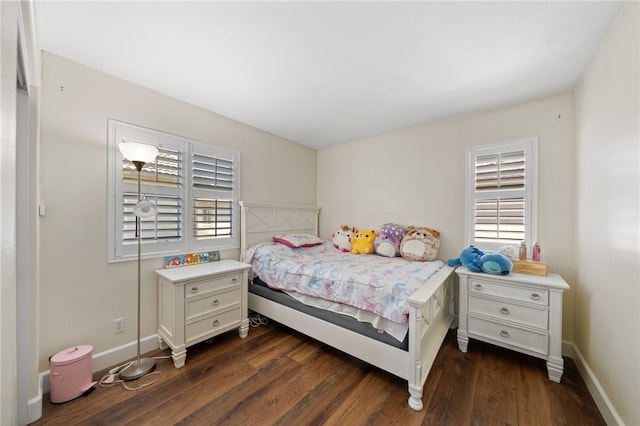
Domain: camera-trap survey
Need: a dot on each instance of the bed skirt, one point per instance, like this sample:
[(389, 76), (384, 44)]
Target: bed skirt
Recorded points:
[(261, 289)]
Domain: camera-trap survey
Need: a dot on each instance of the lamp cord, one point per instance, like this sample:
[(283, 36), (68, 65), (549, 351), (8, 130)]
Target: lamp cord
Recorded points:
[(112, 377), (256, 320)]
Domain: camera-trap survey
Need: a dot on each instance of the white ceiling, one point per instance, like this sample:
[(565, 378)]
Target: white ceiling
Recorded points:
[(325, 73)]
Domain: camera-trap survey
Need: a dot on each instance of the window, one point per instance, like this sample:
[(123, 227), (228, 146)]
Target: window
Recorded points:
[(194, 186), (501, 194)]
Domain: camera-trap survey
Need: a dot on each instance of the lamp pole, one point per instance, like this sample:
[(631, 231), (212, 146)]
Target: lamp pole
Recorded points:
[(141, 366)]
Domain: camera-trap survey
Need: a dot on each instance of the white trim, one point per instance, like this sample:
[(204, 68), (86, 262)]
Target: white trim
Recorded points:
[(34, 405), (116, 251), (110, 358), (24, 231), (600, 397), (28, 43), (9, 398)]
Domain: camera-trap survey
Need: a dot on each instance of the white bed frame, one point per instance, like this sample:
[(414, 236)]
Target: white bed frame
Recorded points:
[(431, 307)]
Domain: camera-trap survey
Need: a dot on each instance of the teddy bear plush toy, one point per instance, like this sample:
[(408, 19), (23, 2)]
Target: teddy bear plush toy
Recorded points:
[(420, 243), (477, 261), (362, 241), (341, 239), (387, 242)]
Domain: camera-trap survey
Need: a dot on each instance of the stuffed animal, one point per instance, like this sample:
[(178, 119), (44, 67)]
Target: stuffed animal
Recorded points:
[(387, 242), (342, 238), (470, 257), (496, 263), (362, 241), (420, 243), (477, 261)]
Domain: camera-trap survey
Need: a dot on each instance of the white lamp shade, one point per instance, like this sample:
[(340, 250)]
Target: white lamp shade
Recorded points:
[(144, 208), (134, 151)]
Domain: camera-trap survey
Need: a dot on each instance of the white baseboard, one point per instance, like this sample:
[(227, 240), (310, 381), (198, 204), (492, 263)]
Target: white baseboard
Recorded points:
[(109, 358), (598, 394), (101, 361), (34, 405), (567, 349)]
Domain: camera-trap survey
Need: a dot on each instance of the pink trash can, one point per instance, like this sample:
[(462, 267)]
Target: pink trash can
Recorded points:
[(70, 373)]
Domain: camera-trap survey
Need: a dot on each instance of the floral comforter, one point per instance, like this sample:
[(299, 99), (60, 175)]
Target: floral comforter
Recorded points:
[(370, 282)]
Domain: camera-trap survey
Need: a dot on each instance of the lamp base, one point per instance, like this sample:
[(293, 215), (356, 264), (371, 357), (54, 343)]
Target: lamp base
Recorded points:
[(138, 369)]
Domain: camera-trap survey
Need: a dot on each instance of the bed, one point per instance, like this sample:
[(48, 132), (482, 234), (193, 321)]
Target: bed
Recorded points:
[(430, 307)]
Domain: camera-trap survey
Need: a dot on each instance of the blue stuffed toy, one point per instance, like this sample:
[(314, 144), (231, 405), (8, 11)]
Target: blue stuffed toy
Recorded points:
[(476, 261)]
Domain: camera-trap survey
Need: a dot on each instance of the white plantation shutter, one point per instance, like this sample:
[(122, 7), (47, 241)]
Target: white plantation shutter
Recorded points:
[(193, 185), (213, 184), (501, 194), (161, 183), (165, 226), (212, 218), (212, 173)]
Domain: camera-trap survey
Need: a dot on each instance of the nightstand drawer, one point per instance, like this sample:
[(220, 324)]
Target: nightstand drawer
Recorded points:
[(210, 325), (526, 315), (509, 291), (530, 340), (213, 302), (197, 288)]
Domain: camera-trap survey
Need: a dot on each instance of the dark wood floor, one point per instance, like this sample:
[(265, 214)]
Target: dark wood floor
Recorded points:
[(279, 377)]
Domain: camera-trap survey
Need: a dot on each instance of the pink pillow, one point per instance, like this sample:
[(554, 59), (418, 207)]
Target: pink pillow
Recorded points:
[(297, 240)]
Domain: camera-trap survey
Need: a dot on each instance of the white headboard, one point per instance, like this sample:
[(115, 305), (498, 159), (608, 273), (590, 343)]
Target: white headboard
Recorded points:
[(259, 222)]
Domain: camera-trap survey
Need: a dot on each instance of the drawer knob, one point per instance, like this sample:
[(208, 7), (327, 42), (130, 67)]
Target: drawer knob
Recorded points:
[(234, 280), (535, 296), (194, 289), (216, 323), (215, 302), (478, 286), (504, 333), (504, 311)]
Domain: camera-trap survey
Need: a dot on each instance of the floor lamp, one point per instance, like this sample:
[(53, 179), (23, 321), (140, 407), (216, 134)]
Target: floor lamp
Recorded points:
[(139, 154)]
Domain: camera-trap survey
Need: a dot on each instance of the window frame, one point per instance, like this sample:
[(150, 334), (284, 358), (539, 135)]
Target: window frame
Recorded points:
[(186, 243), (527, 145)]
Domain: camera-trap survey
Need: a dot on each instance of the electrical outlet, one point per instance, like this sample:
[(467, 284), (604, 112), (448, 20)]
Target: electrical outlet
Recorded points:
[(118, 325)]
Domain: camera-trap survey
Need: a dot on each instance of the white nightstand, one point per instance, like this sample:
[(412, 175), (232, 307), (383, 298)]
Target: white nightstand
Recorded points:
[(198, 302), (517, 311)]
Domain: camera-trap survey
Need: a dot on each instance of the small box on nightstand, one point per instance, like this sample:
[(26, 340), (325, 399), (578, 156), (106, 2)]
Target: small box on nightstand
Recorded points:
[(530, 267)]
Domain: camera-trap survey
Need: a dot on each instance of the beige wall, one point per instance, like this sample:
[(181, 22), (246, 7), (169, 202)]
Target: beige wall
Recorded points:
[(416, 177), (608, 222), (80, 293)]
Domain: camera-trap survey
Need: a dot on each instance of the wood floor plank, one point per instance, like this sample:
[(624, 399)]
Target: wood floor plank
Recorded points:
[(271, 348), (306, 350), (572, 392), (329, 393), (176, 400), (394, 411), (495, 399), (253, 402), (454, 395), (280, 377), (348, 413), (533, 403)]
